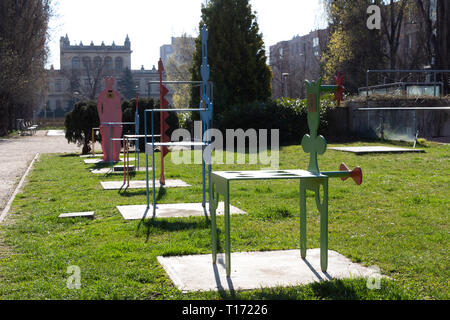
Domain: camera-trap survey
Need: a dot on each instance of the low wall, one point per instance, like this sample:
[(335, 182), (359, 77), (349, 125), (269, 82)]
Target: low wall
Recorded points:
[(50, 122), (391, 124)]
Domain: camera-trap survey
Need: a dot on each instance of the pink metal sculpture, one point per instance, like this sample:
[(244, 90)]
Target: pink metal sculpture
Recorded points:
[(110, 114)]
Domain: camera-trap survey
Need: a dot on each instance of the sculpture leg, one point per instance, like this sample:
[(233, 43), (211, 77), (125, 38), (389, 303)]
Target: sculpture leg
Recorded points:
[(117, 144), (227, 231), (303, 219), (323, 209), (106, 145), (214, 198)]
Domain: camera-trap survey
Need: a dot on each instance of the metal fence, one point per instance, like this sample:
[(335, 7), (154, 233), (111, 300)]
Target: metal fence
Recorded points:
[(418, 82), (404, 88)]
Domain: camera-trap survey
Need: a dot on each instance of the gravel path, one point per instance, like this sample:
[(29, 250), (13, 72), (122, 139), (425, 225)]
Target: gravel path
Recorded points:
[(17, 153)]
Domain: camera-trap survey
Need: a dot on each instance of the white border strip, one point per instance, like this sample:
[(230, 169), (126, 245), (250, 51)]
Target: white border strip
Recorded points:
[(19, 186)]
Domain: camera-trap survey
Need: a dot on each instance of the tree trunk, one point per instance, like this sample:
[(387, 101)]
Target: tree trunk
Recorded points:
[(443, 40), (86, 147), (4, 115)]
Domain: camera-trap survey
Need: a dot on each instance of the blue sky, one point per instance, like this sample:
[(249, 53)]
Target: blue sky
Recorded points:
[(151, 23)]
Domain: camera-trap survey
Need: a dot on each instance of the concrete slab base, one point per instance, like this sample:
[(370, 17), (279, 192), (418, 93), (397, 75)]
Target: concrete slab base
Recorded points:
[(89, 214), (254, 270), (109, 170), (141, 184), (121, 168), (176, 210), (99, 161), (374, 149), (97, 155)]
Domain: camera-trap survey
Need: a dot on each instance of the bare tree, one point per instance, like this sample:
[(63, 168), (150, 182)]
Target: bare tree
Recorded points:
[(393, 13), (429, 40), (443, 35), (23, 53), (86, 81), (177, 69)]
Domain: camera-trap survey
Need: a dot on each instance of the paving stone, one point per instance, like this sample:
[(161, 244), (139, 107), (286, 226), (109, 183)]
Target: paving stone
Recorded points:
[(56, 133)]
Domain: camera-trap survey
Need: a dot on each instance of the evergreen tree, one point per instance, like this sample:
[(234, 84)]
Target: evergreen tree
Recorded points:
[(126, 85), (236, 55), (79, 123)]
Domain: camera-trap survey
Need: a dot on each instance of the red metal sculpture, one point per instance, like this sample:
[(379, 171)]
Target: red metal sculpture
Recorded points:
[(163, 91)]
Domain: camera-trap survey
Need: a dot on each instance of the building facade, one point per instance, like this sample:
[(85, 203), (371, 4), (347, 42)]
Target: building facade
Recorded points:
[(82, 72), (296, 60)]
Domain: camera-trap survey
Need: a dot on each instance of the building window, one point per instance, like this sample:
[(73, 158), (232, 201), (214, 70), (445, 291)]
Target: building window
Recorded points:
[(119, 64), (75, 63), (316, 42), (58, 85), (280, 51), (97, 62), (108, 63), (86, 63)]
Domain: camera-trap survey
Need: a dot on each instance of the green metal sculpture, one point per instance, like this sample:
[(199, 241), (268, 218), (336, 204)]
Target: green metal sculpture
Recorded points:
[(310, 179), (316, 145)]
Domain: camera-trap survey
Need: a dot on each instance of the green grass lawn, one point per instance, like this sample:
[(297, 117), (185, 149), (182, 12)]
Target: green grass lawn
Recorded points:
[(396, 220)]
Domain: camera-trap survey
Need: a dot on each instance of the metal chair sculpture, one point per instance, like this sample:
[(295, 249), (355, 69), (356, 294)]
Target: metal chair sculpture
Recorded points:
[(310, 179), (206, 114), (126, 146)]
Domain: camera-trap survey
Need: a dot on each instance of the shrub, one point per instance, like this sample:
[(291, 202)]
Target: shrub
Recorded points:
[(79, 123), (287, 115), (128, 115), (83, 117)]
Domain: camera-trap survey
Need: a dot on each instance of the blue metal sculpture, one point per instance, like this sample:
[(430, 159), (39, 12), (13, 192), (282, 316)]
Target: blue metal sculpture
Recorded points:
[(206, 115)]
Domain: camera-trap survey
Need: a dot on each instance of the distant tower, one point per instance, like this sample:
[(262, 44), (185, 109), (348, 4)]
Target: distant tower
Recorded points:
[(127, 43), (63, 43)]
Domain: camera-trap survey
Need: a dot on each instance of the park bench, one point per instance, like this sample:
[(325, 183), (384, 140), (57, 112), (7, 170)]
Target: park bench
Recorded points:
[(26, 127)]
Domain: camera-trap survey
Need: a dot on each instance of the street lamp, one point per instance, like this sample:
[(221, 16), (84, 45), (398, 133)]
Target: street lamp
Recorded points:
[(285, 75)]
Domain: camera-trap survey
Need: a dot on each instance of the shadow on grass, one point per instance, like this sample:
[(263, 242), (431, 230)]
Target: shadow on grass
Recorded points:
[(166, 225), (329, 290), (69, 155), (141, 192), (149, 220), (334, 289)]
